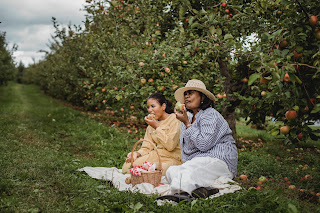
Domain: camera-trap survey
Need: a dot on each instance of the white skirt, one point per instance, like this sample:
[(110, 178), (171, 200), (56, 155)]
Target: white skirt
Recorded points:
[(197, 172)]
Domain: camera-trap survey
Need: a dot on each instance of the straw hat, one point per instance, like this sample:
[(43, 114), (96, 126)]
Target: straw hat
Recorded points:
[(193, 84)]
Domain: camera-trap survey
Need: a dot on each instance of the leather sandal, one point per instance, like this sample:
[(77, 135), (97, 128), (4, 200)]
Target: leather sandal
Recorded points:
[(177, 197), (204, 192)]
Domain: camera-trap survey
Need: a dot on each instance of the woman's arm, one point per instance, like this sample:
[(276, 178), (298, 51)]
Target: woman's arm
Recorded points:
[(206, 135)]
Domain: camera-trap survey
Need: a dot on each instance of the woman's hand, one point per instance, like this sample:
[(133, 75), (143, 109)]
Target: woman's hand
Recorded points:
[(135, 156), (151, 121), (182, 116)]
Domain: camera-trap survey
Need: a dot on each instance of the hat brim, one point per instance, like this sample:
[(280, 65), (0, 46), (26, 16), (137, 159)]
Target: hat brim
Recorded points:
[(179, 94)]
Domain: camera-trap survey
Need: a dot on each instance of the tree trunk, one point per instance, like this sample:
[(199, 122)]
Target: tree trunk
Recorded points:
[(228, 112)]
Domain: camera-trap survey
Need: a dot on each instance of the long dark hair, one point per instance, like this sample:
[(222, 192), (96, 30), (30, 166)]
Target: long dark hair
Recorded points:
[(162, 100)]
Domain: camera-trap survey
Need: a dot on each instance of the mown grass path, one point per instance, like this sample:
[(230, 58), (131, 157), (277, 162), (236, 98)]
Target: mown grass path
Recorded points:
[(43, 143)]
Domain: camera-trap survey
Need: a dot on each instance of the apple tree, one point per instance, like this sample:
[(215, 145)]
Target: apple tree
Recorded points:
[(7, 67)]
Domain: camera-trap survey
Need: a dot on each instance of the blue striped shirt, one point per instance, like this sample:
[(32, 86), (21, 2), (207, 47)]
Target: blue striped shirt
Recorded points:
[(209, 135)]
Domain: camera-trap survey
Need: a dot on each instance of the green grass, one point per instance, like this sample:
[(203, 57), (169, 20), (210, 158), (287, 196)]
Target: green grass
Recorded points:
[(43, 143)]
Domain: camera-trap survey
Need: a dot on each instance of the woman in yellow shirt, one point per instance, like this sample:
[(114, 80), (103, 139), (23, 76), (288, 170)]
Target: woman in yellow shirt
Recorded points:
[(164, 131)]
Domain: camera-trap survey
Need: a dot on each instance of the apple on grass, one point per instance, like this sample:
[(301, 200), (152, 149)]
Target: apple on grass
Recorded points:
[(243, 177), (293, 187), (128, 180), (262, 179)]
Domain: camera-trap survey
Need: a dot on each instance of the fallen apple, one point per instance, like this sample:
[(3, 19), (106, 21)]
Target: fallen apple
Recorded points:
[(128, 180), (292, 187), (243, 177), (262, 179)]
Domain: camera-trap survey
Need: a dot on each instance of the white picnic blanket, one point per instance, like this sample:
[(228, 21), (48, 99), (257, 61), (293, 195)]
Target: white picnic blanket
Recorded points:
[(224, 184)]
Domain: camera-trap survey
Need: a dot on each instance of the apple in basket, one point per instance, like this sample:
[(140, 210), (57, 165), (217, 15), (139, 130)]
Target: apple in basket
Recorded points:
[(128, 180), (179, 106)]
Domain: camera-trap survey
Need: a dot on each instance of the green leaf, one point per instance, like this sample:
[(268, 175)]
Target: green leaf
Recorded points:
[(182, 12), (253, 77), (194, 25), (219, 31), (228, 36), (298, 80), (316, 109), (284, 52)]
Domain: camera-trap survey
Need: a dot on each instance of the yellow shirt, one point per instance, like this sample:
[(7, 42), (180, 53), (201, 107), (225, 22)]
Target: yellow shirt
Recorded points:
[(166, 137)]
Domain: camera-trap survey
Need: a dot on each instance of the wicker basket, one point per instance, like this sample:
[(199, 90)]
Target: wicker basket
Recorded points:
[(153, 177)]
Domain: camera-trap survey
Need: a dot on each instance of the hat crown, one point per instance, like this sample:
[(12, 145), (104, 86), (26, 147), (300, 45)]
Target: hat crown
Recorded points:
[(196, 83)]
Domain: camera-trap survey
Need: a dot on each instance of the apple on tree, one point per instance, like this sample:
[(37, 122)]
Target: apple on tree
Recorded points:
[(285, 130), (291, 115)]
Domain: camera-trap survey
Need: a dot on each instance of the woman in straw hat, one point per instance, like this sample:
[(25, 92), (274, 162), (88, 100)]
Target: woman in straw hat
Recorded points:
[(208, 149)]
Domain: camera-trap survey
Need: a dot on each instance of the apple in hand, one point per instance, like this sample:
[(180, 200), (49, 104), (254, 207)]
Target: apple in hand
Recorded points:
[(151, 116), (179, 106)]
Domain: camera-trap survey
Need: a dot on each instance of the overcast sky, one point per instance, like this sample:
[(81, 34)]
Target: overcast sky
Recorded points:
[(28, 24)]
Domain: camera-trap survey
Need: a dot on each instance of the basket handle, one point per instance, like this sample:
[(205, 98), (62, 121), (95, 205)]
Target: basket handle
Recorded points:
[(154, 146)]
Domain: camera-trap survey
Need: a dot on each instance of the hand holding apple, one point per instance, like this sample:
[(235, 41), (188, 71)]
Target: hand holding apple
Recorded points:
[(182, 116), (150, 120)]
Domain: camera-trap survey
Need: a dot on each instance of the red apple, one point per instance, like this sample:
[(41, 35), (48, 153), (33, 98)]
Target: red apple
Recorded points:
[(150, 80), (104, 89), (283, 43), (285, 129), (224, 4), (219, 96), (297, 55), (121, 109), (312, 101), (263, 93), (313, 20), (300, 135), (286, 77), (174, 87), (285, 179), (161, 88), (167, 69), (243, 177), (263, 80), (292, 187), (143, 81), (245, 80), (131, 107), (226, 11), (291, 115), (141, 64)]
